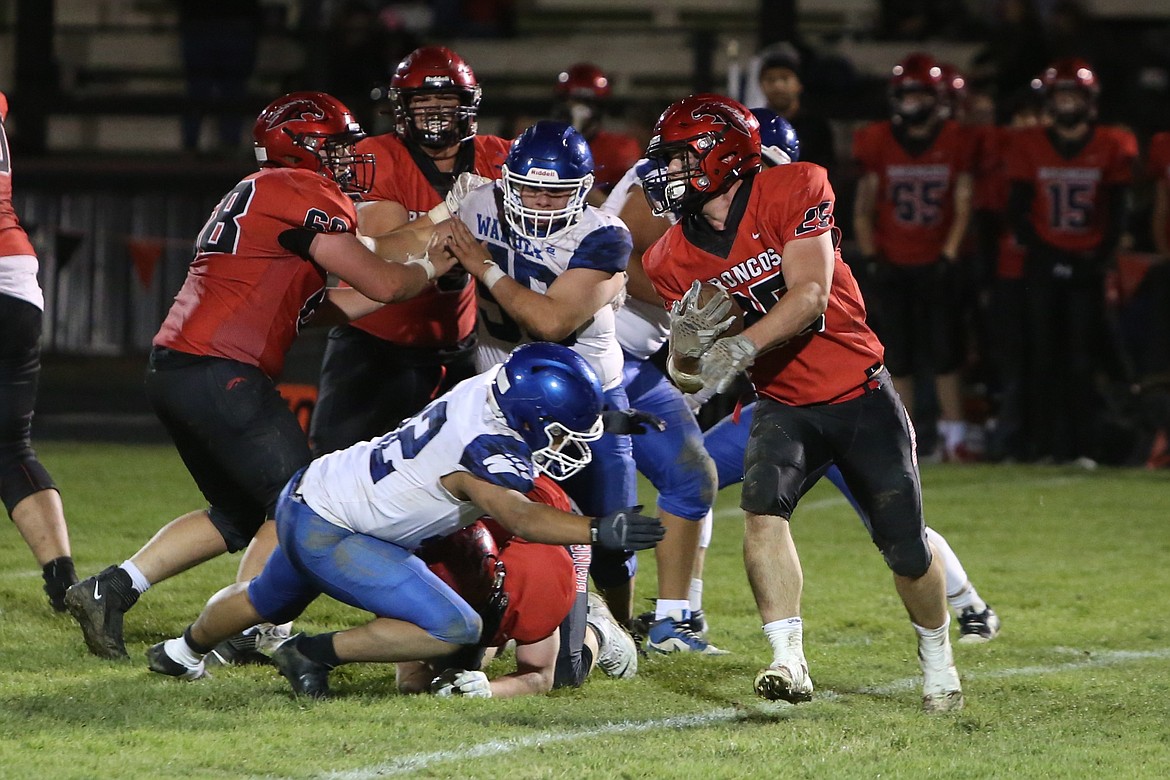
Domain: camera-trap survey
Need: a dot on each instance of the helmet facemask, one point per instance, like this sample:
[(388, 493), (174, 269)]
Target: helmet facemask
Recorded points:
[(567, 452), (436, 126), (911, 113), (1070, 113), (339, 161), (677, 182), (542, 223)]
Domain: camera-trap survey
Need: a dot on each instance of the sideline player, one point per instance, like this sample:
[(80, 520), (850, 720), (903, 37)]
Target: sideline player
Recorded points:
[(474, 450), (768, 238), (583, 93), (384, 367), (258, 276), (28, 492)]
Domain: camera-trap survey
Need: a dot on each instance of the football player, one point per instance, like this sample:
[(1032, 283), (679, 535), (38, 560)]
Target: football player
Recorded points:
[(473, 451), (768, 238), (26, 488), (386, 366), (548, 267), (1068, 207), (583, 92), (911, 213), (258, 276), (539, 583)]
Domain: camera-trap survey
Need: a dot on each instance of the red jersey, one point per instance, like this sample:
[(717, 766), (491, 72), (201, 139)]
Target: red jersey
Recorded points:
[(613, 155), (433, 318), (915, 193), (783, 203), (1068, 211), (1158, 167), (245, 295), (13, 239)]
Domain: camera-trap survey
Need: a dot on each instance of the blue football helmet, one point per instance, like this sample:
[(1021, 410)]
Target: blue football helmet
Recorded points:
[(551, 396), (778, 140), (549, 156)]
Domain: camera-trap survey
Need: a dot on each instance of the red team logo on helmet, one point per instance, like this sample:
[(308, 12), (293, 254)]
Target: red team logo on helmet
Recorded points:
[(315, 131)]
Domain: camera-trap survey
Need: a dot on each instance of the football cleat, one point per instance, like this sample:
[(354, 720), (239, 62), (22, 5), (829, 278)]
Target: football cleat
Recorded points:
[(977, 627), (671, 634), (696, 623), (98, 604), (160, 662), (617, 654), (785, 682), (941, 689), (238, 650), (306, 676)]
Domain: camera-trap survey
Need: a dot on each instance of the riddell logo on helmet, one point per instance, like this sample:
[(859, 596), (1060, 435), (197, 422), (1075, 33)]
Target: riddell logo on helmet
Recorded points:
[(300, 110), (437, 81), (543, 173)]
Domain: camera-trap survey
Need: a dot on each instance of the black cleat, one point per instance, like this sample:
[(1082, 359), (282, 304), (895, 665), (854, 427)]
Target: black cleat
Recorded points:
[(306, 676), (98, 604), (238, 650), (977, 627), (59, 575), (159, 661)]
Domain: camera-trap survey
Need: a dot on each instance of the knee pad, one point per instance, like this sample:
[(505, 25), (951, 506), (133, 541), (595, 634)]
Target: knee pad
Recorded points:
[(910, 558), (22, 476), (611, 568)]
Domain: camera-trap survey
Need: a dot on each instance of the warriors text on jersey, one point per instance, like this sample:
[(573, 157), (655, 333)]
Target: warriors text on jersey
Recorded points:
[(389, 487), (435, 317), (245, 295), (596, 240), (1068, 208), (915, 192), (772, 208)]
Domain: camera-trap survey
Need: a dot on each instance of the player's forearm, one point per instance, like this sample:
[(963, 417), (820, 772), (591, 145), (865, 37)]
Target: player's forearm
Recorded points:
[(962, 217), (546, 525), (542, 317), (527, 683), (798, 309), (863, 216)]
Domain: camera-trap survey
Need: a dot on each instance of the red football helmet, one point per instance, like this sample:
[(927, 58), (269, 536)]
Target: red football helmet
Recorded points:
[(1072, 74), (434, 70), (716, 140), (583, 81), (918, 73), (315, 131)]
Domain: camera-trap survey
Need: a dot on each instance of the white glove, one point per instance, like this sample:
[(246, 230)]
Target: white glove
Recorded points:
[(465, 183), (694, 329), (725, 360), (457, 682)]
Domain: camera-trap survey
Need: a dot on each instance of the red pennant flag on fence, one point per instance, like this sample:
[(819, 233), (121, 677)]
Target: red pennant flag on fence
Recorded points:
[(145, 252)]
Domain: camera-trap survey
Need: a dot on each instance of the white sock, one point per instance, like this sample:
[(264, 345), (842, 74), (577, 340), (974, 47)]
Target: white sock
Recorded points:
[(787, 639), (137, 578), (967, 598), (934, 644), (179, 650), (664, 607), (696, 594), (953, 433), (960, 592)]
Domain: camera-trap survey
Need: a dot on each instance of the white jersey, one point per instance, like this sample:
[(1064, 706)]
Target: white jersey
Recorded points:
[(18, 278), (597, 240), (389, 487), (642, 328)]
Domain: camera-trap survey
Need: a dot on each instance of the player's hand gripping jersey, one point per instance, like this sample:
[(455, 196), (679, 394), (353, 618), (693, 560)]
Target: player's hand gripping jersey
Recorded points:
[(596, 240), (389, 487), (837, 353), (245, 296)]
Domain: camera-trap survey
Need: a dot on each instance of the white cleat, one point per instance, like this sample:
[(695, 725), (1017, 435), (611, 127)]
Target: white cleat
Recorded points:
[(785, 682), (941, 689), (617, 655)]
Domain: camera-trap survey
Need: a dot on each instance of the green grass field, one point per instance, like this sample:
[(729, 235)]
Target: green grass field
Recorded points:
[(1077, 685)]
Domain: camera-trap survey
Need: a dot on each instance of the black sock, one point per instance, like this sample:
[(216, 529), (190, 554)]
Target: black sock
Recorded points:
[(319, 649), (191, 643), (59, 572)]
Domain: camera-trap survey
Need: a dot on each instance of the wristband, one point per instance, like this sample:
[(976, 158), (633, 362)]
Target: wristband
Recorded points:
[(493, 274), (439, 213), (424, 263)]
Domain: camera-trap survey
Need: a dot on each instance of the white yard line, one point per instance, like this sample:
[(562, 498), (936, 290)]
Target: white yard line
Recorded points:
[(417, 761)]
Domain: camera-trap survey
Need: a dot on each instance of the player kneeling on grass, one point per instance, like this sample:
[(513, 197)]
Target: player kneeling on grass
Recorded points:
[(524, 591), (348, 524)]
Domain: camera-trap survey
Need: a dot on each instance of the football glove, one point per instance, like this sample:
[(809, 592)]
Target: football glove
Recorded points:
[(693, 328), (465, 183), (631, 421), (725, 360), (457, 682), (626, 529)]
